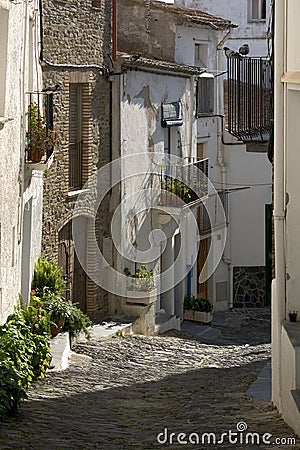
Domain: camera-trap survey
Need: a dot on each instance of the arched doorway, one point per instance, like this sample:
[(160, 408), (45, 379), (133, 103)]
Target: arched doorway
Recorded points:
[(74, 275)]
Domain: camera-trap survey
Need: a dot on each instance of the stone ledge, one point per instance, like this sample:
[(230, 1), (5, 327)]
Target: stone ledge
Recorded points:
[(293, 332), (60, 351)]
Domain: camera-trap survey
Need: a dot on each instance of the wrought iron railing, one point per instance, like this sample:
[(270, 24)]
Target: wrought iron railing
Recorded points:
[(40, 135), (249, 113), (182, 183)]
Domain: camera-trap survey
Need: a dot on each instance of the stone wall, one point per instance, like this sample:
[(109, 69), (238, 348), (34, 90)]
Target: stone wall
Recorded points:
[(76, 33), (249, 287), (145, 30)]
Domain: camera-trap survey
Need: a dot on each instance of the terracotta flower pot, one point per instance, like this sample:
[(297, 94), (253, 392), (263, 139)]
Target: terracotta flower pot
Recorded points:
[(55, 330), (35, 154)]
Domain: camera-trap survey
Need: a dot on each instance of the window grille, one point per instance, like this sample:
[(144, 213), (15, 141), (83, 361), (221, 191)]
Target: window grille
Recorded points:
[(249, 114), (171, 114)]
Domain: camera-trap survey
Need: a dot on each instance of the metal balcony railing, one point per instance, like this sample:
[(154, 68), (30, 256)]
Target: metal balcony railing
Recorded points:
[(248, 99), (40, 135), (182, 183)]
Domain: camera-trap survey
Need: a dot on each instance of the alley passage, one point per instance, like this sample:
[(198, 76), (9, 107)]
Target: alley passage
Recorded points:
[(122, 393)]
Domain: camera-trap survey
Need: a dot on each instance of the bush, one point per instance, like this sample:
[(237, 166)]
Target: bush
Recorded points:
[(24, 356), (47, 275)]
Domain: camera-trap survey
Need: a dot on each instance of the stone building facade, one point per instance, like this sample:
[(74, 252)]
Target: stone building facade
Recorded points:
[(75, 44)]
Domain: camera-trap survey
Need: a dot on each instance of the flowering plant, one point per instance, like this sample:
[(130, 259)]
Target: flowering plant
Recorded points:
[(38, 135)]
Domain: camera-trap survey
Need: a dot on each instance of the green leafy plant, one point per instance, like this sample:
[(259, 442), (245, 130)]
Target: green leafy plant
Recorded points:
[(177, 188), (48, 285), (142, 279), (47, 276), (58, 309), (35, 316), (197, 304), (24, 356), (77, 322)]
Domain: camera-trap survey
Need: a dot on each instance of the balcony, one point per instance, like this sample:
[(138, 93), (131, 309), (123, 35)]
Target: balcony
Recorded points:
[(40, 136), (248, 98), (182, 184)]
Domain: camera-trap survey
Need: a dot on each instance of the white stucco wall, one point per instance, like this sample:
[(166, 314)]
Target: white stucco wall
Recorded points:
[(254, 33), (293, 205), (20, 77), (142, 94), (187, 37), (247, 207), (285, 287)]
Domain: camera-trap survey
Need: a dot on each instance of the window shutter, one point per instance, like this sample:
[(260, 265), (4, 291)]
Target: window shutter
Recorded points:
[(75, 136), (205, 94)]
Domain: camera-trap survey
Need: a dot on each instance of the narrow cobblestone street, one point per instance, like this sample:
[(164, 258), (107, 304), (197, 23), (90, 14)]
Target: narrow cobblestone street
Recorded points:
[(123, 392)]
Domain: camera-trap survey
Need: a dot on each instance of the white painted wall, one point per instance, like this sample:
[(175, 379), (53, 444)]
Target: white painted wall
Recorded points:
[(142, 94), (254, 33), (285, 288), (247, 207), (20, 76)]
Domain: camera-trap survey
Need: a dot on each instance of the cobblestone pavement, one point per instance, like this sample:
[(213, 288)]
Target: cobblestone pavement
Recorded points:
[(121, 393)]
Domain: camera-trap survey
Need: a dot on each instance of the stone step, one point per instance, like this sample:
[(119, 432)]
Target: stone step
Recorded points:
[(165, 322)]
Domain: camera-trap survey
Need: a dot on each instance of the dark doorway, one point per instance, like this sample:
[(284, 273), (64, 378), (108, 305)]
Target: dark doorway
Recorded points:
[(74, 275)]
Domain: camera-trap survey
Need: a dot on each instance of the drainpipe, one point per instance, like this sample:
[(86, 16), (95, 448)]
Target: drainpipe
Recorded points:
[(114, 30), (188, 158), (227, 250), (278, 284), (44, 61)]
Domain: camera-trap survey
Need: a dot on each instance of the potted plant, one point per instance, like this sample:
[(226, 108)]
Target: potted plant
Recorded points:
[(198, 309), (141, 286), (39, 137), (179, 191), (293, 316), (59, 311), (48, 287)]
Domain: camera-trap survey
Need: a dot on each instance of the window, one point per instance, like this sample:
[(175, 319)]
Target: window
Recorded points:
[(205, 95), (3, 57), (75, 136), (257, 10), (171, 114), (201, 51)]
